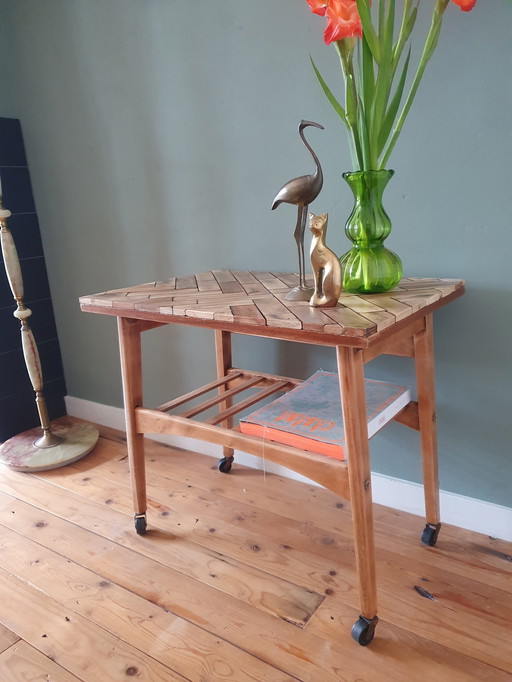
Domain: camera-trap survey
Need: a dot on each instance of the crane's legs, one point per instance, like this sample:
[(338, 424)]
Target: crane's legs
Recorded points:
[(302, 292)]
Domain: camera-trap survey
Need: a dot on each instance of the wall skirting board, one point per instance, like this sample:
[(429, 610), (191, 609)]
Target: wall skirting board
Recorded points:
[(457, 510)]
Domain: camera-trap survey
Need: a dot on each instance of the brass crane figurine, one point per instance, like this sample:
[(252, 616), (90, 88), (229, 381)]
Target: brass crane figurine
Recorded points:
[(301, 191)]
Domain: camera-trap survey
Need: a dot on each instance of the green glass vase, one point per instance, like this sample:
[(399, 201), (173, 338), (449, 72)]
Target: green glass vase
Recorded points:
[(369, 267)]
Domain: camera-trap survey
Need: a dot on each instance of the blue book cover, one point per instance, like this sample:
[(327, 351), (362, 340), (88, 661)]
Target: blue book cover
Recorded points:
[(309, 416)]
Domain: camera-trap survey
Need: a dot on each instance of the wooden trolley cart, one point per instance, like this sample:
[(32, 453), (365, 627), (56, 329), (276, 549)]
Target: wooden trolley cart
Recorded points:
[(360, 328)]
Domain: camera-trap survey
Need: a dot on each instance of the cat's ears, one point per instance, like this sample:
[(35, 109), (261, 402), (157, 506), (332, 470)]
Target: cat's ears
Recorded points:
[(322, 216)]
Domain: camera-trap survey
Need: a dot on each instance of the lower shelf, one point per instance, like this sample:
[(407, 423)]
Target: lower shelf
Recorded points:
[(219, 429)]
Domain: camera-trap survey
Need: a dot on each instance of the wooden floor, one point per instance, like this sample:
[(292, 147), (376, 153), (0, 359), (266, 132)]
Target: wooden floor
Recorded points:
[(240, 577)]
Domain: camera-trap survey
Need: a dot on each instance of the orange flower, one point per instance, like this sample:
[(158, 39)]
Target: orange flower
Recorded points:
[(342, 21), (377, 100), (318, 6), (465, 5)]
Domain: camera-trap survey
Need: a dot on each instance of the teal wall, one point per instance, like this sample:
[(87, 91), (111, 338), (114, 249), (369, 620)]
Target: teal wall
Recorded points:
[(157, 134)]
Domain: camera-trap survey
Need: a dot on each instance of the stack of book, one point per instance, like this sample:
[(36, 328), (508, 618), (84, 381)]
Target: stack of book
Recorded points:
[(309, 417)]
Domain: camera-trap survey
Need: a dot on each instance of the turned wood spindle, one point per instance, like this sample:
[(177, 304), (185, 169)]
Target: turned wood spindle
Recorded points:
[(22, 313), (67, 439)]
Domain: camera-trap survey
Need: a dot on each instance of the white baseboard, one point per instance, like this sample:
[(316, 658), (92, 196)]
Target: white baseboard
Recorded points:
[(457, 510)]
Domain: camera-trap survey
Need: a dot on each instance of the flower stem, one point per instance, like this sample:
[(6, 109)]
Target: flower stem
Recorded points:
[(345, 50), (406, 26)]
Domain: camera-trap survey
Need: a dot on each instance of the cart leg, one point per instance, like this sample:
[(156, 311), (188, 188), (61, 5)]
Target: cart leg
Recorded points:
[(350, 369), (424, 359), (224, 362), (131, 370)]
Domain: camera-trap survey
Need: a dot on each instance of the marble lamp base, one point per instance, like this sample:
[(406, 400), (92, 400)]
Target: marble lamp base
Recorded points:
[(21, 453)]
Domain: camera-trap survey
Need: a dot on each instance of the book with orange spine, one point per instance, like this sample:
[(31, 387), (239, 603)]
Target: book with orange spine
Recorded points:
[(309, 416)]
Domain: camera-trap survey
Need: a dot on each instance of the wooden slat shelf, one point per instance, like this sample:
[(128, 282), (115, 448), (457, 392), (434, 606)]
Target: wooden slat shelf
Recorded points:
[(317, 467), (330, 473), (248, 402), (240, 381), (239, 388), (166, 407)]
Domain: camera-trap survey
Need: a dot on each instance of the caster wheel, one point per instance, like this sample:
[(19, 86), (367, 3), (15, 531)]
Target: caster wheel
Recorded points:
[(363, 630), (140, 524), (224, 465), (430, 534)]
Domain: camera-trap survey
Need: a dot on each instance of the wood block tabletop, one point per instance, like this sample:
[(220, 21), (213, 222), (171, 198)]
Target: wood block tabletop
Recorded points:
[(241, 299)]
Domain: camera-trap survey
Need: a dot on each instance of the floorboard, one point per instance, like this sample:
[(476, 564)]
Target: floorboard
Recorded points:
[(23, 662), (7, 638), (241, 577)]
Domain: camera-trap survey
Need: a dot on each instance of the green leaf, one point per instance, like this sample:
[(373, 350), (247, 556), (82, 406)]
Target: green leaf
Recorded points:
[(428, 49), (433, 42), (408, 22), (362, 130), (332, 99), (382, 16), (345, 50), (392, 111), (351, 101), (411, 21), (384, 80), (363, 8), (367, 78)]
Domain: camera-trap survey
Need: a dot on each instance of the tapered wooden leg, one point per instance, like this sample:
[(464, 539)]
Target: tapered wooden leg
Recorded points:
[(223, 359), (424, 358), (350, 369), (131, 370)]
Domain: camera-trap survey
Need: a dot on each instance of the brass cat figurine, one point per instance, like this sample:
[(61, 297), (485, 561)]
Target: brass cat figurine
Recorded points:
[(325, 264)]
